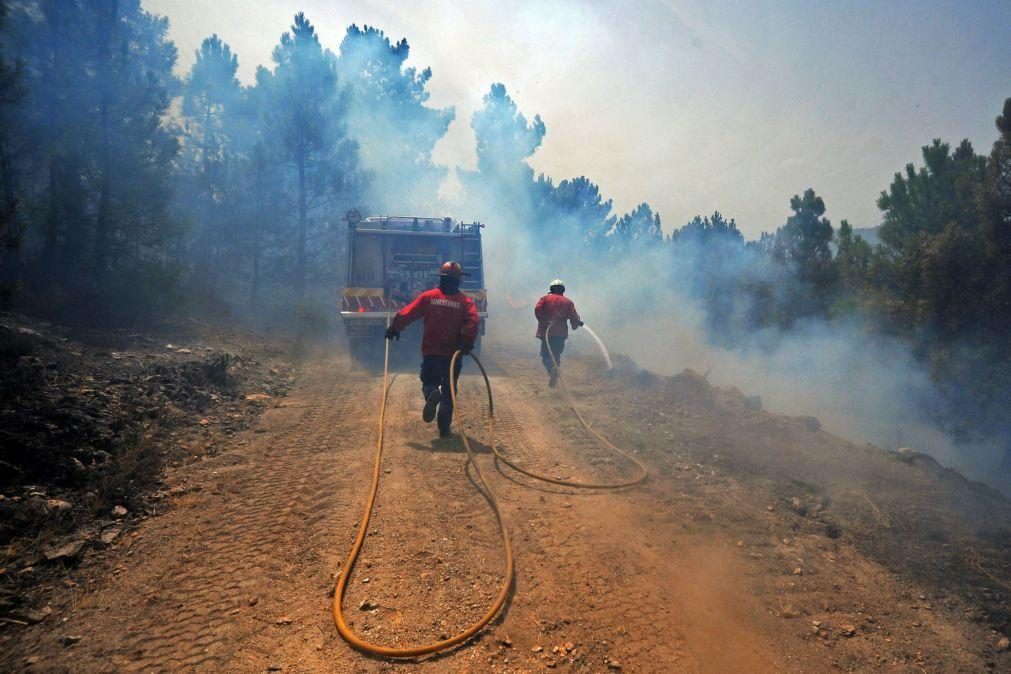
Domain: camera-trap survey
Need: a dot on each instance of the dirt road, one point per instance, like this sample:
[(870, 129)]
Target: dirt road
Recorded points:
[(700, 569)]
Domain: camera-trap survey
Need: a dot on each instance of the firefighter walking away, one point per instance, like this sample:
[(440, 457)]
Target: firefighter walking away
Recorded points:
[(451, 322), (557, 311)]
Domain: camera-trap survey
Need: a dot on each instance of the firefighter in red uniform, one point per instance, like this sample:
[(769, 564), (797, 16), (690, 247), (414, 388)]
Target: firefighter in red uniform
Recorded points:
[(554, 309), (451, 323)]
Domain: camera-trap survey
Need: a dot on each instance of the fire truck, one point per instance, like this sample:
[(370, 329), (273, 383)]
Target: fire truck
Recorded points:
[(393, 259)]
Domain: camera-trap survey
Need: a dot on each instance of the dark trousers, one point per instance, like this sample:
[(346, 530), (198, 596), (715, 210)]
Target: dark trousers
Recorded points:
[(557, 346), (435, 375)]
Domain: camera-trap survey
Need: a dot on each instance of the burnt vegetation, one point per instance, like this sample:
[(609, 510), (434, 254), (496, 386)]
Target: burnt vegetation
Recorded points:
[(87, 421)]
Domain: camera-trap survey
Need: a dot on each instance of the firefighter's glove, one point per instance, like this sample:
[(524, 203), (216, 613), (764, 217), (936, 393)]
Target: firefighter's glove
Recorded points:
[(577, 325), (464, 347), (391, 333)]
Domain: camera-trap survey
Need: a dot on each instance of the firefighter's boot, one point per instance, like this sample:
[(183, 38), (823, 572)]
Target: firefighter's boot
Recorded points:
[(431, 404), (445, 418), (553, 379)]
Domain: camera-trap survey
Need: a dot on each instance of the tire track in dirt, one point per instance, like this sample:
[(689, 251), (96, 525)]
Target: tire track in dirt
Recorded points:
[(176, 603), (597, 573), (431, 563), (593, 566), (584, 586), (267, 507)]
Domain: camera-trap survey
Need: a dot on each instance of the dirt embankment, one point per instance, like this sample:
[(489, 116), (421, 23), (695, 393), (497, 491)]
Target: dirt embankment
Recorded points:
[(759, 542), (89, 419), (943, 541)]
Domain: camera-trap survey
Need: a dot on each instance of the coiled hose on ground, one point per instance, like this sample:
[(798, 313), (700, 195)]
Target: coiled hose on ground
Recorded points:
[(342, 580), (426, 649)]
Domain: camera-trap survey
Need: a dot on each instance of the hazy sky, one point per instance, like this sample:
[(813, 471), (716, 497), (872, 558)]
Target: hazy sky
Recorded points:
[(691, 106)]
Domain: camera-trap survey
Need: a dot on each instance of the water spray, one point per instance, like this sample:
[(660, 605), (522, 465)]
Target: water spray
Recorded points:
[(600, 343)]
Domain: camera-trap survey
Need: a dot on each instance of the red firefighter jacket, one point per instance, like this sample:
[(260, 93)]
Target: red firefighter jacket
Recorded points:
[(555, 310), (449, 320)]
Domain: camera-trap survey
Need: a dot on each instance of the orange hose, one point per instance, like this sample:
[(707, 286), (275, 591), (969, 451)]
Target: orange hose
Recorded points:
[(643, 472), (342, 581)]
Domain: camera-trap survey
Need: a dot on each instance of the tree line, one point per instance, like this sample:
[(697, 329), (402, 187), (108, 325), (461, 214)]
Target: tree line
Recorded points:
[(126, 189), (939, 276)]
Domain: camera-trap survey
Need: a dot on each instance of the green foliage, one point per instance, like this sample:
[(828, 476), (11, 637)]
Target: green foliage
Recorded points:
[(930, 271), (96, 150), (708, 229), (925, 212), (923, 202), (572, 211), (802, 244), (503, 185), (210, 105), (388, 117), (852, 263), (304, 120), (638, 229), (266, 171), (504, 138), (995, 207), (801, 247), (942, 275), (729, 279), (211, 89)]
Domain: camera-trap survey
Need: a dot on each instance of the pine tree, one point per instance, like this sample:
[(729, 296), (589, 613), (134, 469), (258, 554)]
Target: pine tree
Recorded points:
[(387, 116), (910, 269), (305, 115), (852, 260), (99, 77), (503, 187), (995, 207), (639, 229), (573, 213), (802, 247), (211, 97), (705, 231), (12, 94), (714, 265), (504, 137)]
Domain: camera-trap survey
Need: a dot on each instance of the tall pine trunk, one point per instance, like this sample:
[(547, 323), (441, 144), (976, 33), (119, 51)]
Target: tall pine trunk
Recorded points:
[(103, 223), (52, 221), (10, 247), (300, 268), (204, 245), (254, 293)]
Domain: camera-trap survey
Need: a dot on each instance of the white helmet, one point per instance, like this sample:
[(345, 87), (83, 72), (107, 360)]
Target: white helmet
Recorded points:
[(557, 283)]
